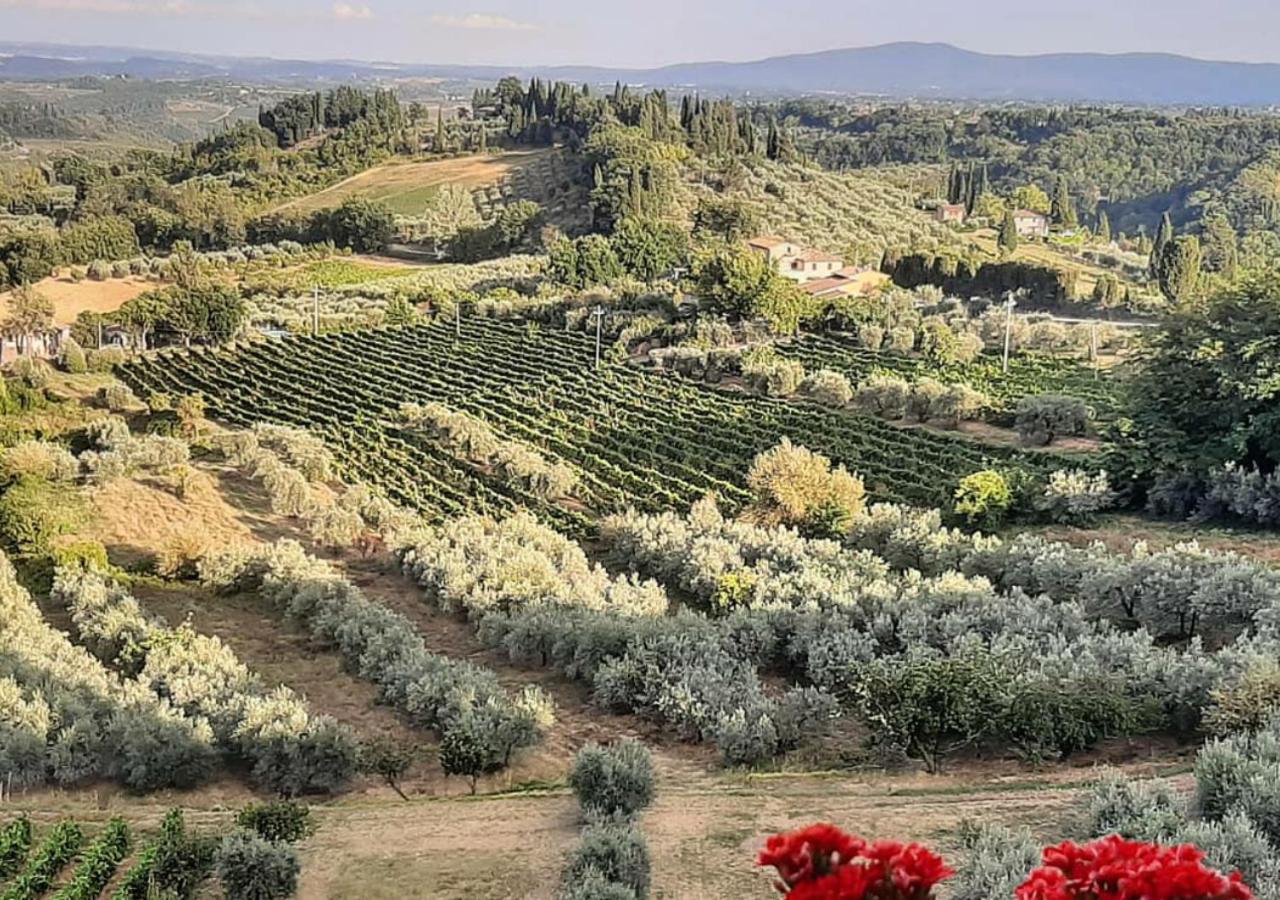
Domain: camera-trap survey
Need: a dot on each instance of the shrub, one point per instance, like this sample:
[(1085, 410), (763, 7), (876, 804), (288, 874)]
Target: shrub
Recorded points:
[(996, 861), (15, 843), (902, 339), (104, 359), (885, 396), (116, 397), (72, 357), (612, 780), (615, 851), (178, 862), (1139, 810), (983, 498), (766, 373), (99, 863), (1042, 418), (795, 486), (99, 270), (828, 388), (33, 512), (926, 394), (871, 337), (464, 752), (1075, 497), (590, 883), (32, 372), (959, 403), (39, 460), (1248, 704), (253, 868), (281, 821)]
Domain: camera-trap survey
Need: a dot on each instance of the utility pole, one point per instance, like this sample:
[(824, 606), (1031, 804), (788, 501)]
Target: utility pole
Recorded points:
[(315, 310), (457, 319), (599, 316), (1093, 350), (1009, 304)]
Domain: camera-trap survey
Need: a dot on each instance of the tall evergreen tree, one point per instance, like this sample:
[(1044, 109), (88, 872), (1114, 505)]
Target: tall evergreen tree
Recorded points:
[(1221, 248), (1104, 228), (1164, 234), (440, 136), (1009, 232), (1064, 210), (1180, 269)]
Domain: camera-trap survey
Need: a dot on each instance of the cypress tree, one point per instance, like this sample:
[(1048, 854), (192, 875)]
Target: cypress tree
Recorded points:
[(1164, 234), (1009, 233), (1180, 269), (1104, 228), (1064, 211), (440, 138)]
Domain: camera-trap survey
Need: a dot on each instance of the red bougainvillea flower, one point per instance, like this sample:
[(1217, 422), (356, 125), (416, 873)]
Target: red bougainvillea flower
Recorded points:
[(1116, 869), (822, 862)]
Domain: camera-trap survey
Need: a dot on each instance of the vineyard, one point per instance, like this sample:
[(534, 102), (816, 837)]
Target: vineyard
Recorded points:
[(1029, 374), (639, 439)]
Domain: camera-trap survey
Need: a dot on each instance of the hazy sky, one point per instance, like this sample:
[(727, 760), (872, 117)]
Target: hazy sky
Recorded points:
[(643, 32)]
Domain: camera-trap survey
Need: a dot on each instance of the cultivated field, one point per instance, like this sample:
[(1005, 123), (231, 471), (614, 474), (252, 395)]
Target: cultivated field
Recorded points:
[(407, 187)]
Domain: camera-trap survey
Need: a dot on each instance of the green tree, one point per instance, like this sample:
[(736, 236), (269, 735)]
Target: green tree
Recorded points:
[(1064, 209), (30, 313), (1030, 197), (1205, 391), (1164, 234), (1009, 233), (366, 226), (1103, 231), (1221, 246), (1179, 272), (728, 218), (732, 279), (649, 249)]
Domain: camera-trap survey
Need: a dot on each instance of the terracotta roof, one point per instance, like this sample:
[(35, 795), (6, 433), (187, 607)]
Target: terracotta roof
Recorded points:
[(822, 285), (766, 241), (1028, 214), (811, 255)]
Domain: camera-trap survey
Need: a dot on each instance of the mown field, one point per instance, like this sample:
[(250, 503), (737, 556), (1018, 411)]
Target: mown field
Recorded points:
[(408, 187)]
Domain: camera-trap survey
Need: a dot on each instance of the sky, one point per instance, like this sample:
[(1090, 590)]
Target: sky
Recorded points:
[(642, 33)]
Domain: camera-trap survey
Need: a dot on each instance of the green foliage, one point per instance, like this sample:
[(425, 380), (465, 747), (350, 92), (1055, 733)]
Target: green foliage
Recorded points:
[(366, 226), (983, 498), (1248, 704), (733, 280), (649, 249), (464, 752), (178, 861), (280, 821), (1008, 241), (250, 867), (1042, 418), (928, 706), (73, 358), (60, 845), (995, 861), (1178, 270), (99, 863), (15, 844), (613, 780), (617, 852), (33, 512)]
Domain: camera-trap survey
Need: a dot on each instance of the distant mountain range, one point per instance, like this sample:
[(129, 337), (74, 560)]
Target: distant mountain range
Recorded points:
[(902, 70)]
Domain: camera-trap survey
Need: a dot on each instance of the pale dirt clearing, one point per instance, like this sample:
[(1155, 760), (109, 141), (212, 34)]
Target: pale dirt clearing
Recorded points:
[(71, 298)]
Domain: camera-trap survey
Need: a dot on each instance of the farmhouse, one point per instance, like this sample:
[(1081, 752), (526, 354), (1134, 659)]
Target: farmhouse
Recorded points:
[(847, 282), (1031, 224), (794, 261), (949, 213)]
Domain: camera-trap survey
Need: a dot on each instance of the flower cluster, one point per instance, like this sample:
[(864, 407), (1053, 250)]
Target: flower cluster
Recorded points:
[(822, 862), (1116, 869)]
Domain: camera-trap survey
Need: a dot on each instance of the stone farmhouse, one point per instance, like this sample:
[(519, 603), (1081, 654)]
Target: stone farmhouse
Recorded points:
[(819, 273)]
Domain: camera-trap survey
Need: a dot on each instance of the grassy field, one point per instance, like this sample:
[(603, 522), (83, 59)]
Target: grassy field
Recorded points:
[(70, 298), (407, 187), (1054, 256)]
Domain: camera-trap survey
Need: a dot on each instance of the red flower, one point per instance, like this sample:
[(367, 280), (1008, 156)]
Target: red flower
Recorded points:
[(1116, 869), (822, 862)]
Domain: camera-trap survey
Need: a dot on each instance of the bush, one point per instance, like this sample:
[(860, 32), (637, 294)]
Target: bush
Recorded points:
[(1248, 704), (1139, 810), (1042, 418), (72, 357), (902, 339), (116, 397), (281, 821), (885, 396), (613, 780), (253, 868), (926, 395), (33, 373), (104, 359), (99, 270), (795, 486), (1075, 497), (39, 460), (766, 373), (33, 512), (959, 403), (996, 861), (828, 388), (592, 884), (617, 852), (983, 498), (871, 337)]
